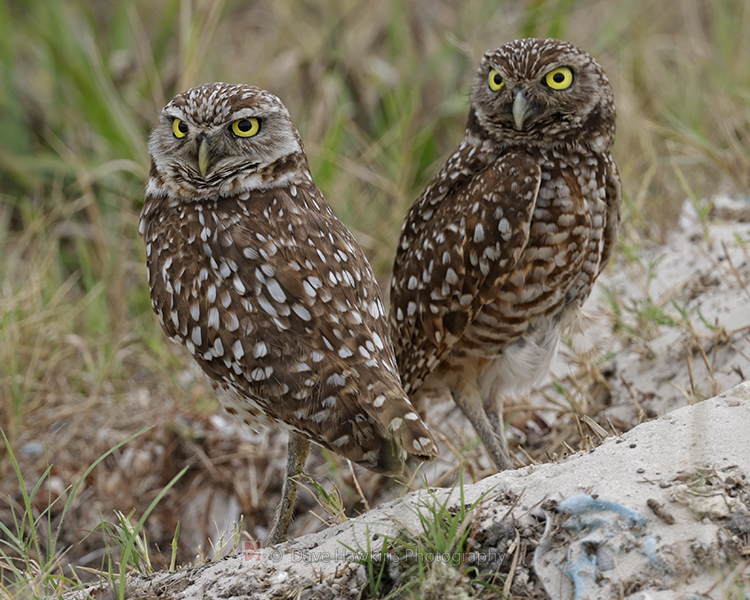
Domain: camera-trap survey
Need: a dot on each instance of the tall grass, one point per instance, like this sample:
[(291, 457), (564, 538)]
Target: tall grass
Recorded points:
[(379, 92)]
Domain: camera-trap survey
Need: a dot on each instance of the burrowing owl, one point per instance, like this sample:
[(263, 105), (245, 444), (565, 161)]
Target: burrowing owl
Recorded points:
[(505, 243), (250, 269)]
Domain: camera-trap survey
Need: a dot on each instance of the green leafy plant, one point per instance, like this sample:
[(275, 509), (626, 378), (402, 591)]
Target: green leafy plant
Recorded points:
[(331, 502), (133, 545), (375, 564), (442, 540)]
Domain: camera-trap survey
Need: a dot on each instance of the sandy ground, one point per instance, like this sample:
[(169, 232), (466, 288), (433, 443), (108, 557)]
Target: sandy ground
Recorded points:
[(685, 310), (660, 512)]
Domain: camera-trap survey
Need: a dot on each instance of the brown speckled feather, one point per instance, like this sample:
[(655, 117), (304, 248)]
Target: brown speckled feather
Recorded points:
[(429, 319), (250, 269), (507, 240)]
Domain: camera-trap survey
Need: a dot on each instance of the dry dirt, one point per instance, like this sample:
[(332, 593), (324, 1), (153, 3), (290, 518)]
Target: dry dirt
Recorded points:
[(661, 512)]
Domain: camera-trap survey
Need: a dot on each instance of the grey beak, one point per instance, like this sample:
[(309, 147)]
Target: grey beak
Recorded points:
[(521, 109), (204, 157)]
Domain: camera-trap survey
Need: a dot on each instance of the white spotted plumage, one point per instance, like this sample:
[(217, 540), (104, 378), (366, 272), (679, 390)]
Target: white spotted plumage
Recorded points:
[(505, 243), (250, 269)]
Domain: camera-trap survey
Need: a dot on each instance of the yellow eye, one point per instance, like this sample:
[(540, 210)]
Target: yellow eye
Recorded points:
[(495, 80), (559, 79), (179, 128), (246, 127)]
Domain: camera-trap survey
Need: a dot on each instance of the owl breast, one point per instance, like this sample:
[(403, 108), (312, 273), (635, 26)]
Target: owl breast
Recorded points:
[(554, 274)]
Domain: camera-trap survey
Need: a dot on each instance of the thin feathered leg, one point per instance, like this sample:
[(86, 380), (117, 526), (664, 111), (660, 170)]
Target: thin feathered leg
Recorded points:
[(298, 449), (491, 433), (495, 419)]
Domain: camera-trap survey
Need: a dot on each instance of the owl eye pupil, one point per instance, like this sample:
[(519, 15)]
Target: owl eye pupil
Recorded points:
[(558, 77), (182, 126), (498, 79), (244, 125)]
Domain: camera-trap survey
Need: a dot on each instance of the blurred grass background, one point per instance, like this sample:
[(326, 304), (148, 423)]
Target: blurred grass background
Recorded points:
[(379, 92)]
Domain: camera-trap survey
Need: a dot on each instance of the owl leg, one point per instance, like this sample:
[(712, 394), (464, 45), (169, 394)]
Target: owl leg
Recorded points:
[(298, 449), (497, 423), (489, 427)]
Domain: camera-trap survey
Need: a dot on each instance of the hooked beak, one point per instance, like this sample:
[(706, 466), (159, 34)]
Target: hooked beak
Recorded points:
[(521, 109), (204, 157)]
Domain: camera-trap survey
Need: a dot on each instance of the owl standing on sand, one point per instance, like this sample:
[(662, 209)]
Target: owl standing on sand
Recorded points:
[(250, 269), (504, 245)]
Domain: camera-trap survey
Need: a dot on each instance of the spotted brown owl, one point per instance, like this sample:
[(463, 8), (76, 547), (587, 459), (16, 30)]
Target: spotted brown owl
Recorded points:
[(504, 245), (250, 269)]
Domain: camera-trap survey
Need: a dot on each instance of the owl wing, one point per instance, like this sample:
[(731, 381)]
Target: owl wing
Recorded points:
[(286, 316), (458, 260), (614, 202)]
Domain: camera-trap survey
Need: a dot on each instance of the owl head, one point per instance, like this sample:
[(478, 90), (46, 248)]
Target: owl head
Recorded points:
[(547, 92), (220, 139)]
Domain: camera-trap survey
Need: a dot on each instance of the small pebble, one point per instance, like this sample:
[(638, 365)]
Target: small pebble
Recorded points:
[(32, 449)]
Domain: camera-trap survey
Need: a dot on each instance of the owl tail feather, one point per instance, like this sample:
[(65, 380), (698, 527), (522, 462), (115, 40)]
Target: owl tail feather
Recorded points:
[(414, 441), (407, 434), (414, 437), (403, 437), (391, 458)]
